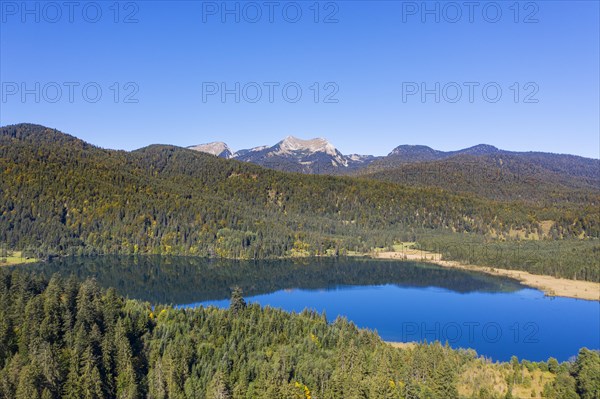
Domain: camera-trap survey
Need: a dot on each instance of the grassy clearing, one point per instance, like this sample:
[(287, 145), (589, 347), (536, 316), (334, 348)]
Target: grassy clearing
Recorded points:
[(490, 380), (15, 258)]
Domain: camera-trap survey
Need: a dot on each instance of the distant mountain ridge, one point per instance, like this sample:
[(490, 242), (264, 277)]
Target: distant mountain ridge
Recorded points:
[(319, 156), (412, 153), (292, 154)]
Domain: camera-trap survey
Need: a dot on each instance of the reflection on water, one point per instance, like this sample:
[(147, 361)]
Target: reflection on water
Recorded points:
[(179, 280), (403, 301)]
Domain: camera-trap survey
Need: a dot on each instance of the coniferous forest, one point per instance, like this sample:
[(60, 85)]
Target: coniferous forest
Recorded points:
[(67, 339), (64, 338)]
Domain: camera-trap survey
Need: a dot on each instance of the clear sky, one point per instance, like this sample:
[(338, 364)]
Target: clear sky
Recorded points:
[(378, 65)]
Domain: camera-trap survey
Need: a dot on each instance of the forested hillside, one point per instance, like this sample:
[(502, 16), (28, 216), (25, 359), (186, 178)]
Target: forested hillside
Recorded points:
[(530, 177), (60, 195), (64, 339), (564, 164)]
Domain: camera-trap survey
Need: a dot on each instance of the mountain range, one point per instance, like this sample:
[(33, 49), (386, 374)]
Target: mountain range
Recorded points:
[(483, 170), (319, 156), (314, 156)]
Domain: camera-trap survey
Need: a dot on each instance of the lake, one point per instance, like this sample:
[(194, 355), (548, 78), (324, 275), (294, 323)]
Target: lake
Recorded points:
[(403, 301)]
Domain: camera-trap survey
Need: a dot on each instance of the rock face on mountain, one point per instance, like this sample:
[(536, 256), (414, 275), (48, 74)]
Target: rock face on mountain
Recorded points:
[(217, 148), (315, 156), (295, 155)]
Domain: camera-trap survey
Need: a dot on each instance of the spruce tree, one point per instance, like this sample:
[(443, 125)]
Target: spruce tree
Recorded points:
[(237, 303)]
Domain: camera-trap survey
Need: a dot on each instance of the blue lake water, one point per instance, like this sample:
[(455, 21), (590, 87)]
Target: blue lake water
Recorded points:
[(403, 301), (524, 323)]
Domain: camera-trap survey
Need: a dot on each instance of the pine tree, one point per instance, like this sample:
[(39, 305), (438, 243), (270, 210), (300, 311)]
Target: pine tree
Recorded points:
[(237, 303), (587, 374), (28, 384), (90, 381), (157, 382), (444, 386), (217, 388), (126, 379)]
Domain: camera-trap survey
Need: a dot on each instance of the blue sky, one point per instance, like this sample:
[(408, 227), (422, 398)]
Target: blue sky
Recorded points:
[(161, 68)]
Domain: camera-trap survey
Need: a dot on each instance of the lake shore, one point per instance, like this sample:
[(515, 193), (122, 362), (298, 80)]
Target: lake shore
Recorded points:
[(551, 286)]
